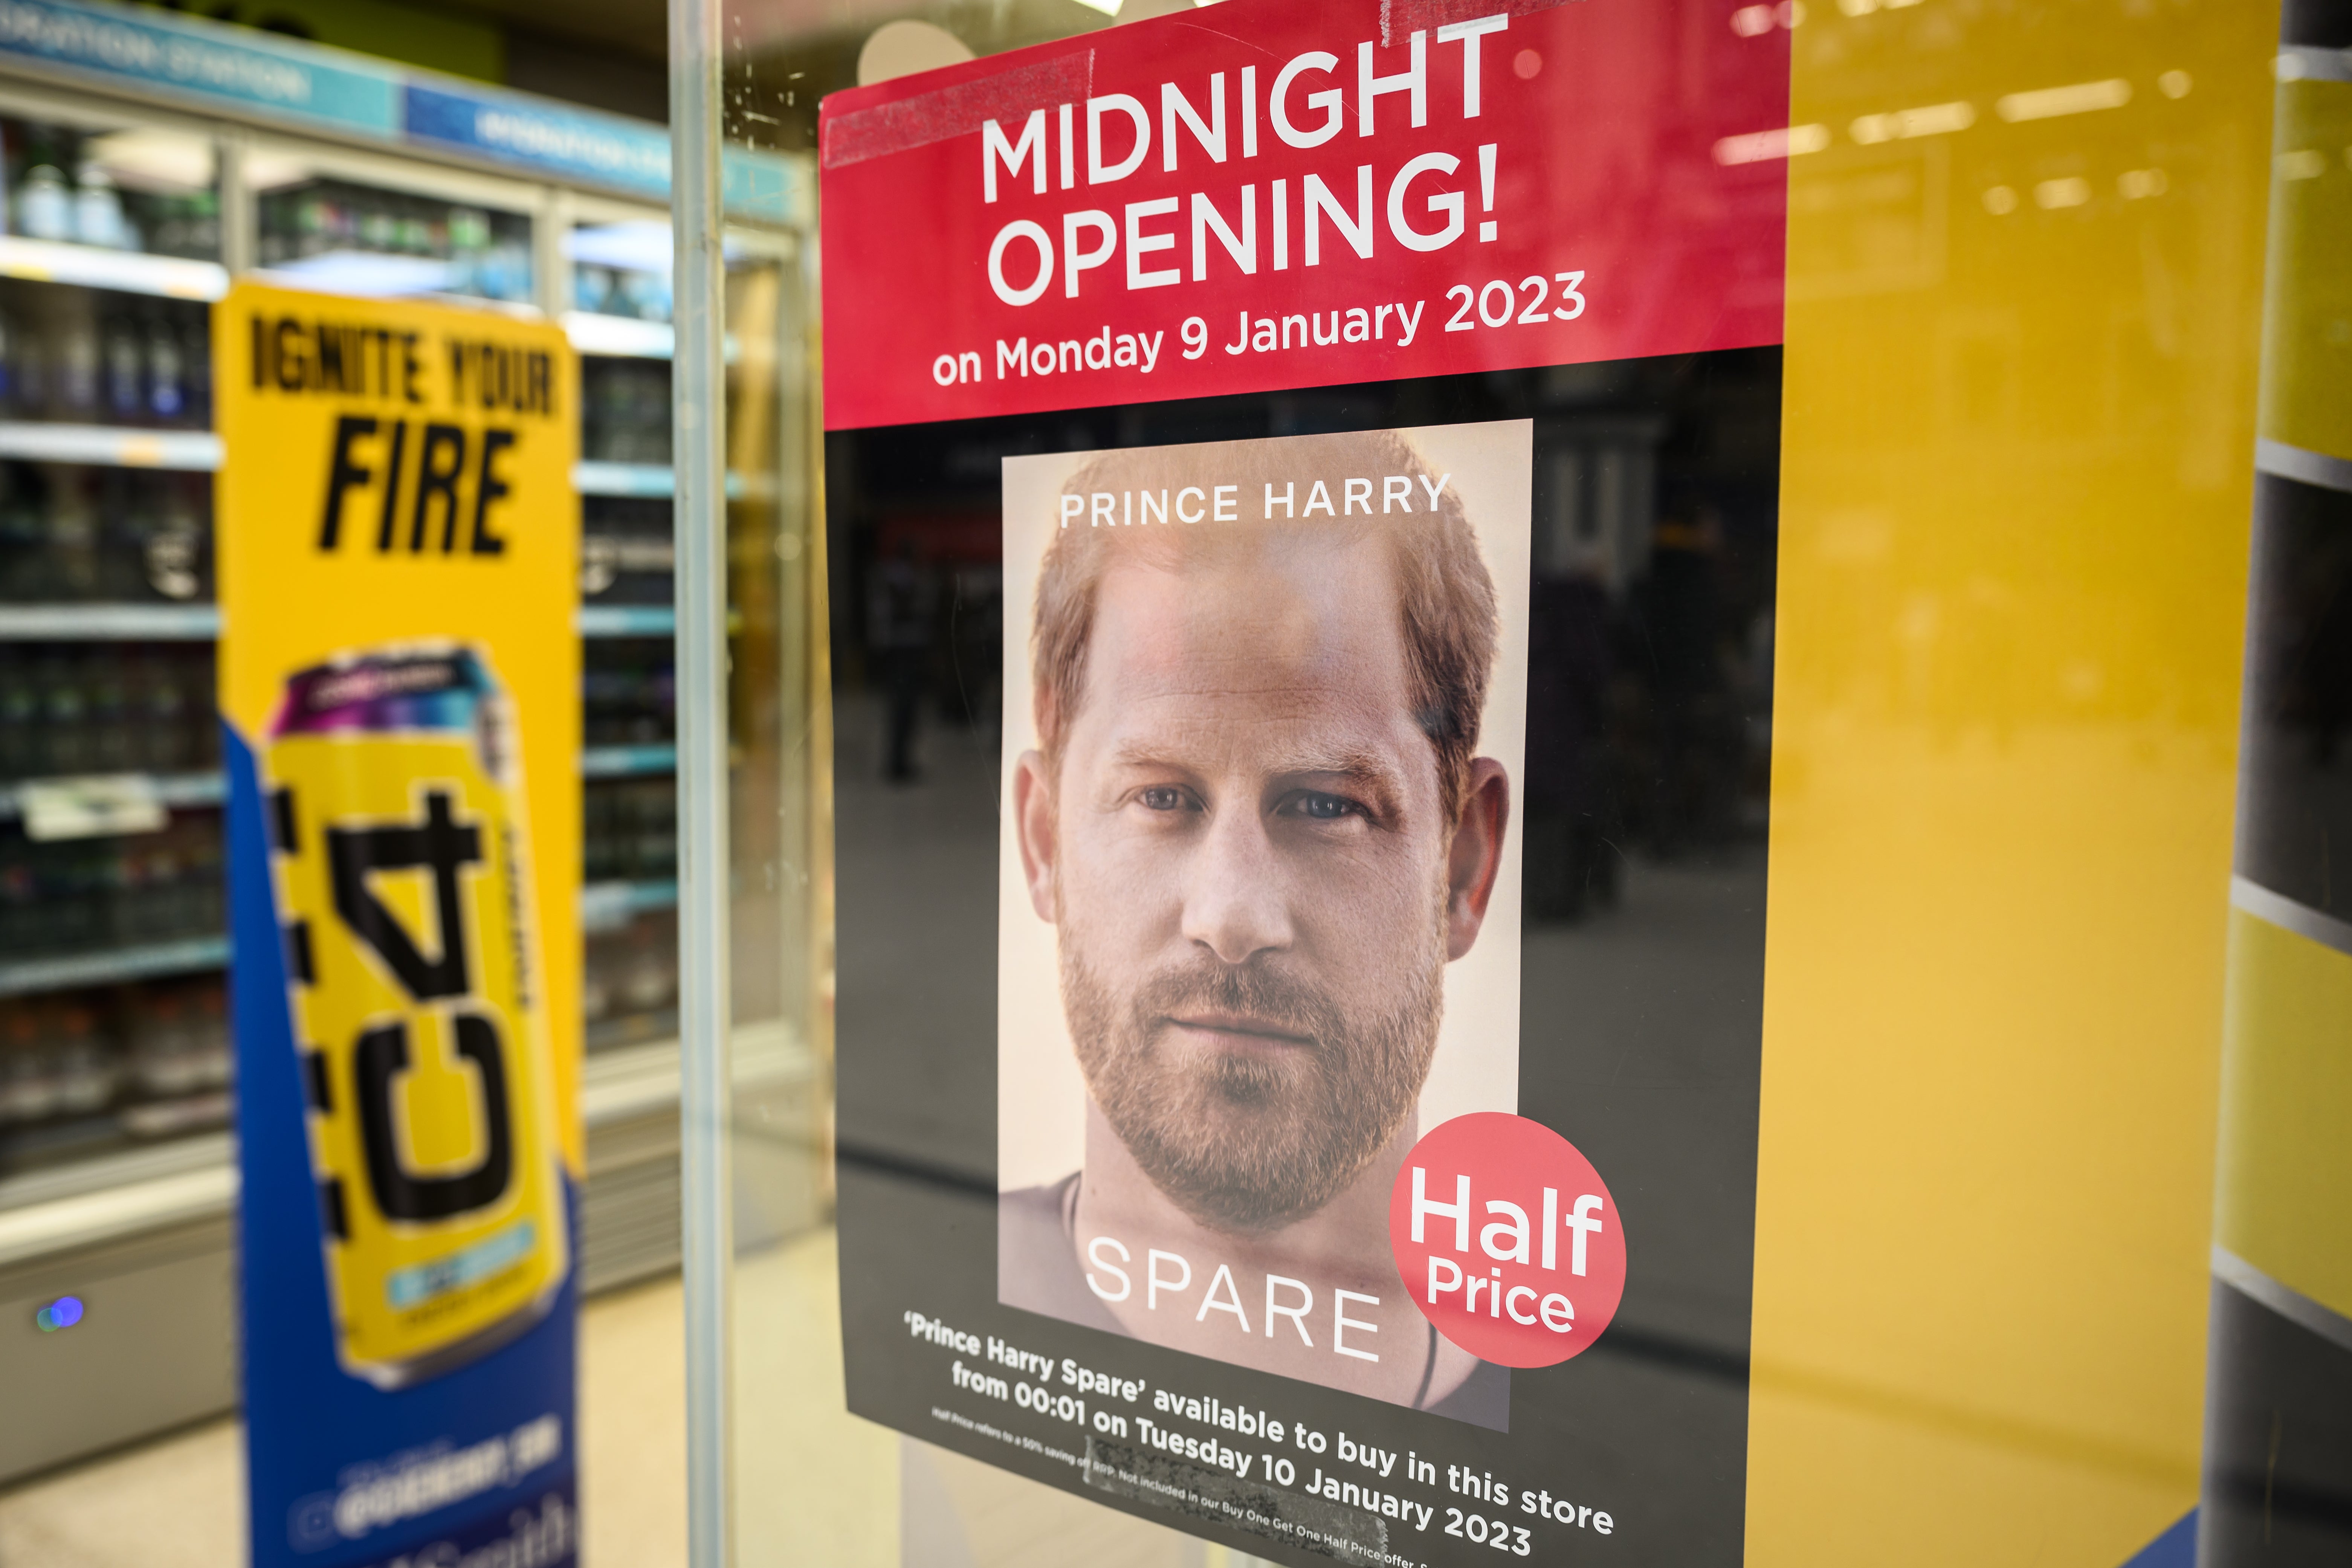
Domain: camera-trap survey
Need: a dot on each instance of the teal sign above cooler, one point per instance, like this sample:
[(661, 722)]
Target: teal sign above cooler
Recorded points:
[(258, 75), (222, 66)]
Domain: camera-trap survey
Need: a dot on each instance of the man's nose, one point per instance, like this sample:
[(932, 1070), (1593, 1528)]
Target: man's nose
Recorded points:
[(1235, 904)]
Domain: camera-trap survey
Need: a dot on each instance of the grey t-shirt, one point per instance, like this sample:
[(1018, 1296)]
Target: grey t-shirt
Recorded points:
[(1037, 1270)]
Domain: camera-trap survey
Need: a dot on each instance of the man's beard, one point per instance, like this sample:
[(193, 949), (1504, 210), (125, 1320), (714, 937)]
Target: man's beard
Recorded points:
[(1249, 1143)]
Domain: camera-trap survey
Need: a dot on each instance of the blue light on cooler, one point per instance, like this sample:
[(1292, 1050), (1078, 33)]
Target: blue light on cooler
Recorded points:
[(62, 1313)]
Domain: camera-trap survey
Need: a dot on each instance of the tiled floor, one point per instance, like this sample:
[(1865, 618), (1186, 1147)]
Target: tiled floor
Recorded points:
[(179, 1502)]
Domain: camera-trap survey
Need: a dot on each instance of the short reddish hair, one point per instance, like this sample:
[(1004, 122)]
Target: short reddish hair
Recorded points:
[(1445, 596)]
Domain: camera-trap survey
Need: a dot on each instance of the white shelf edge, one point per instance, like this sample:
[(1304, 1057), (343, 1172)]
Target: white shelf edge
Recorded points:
[(607, 906), (89, 1218), (126, 271), (645, 480), (627, 621), (620, 337), (626, 762), (110, 623), (147, 961), (654, 481), (111, 446), (171, 789)]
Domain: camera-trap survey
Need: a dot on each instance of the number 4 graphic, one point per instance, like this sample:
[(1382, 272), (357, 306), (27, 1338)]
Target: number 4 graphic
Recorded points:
[(442, 845)]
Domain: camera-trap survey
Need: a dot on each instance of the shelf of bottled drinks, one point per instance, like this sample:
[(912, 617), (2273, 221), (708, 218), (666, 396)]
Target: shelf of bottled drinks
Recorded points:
[(116, 234)]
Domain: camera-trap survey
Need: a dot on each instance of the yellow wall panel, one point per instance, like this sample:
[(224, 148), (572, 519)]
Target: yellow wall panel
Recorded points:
[(2021, 378)]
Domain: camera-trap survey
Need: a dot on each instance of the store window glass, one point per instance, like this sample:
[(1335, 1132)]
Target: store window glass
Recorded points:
[(1877, 591)]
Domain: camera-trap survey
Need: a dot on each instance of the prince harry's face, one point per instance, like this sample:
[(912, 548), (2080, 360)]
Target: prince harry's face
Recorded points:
[(1245, 847)]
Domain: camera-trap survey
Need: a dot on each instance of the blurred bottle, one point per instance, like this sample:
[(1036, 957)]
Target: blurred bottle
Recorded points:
[(591, 289), (20, 716), (45, 204), (28, 1087), (200, 748), (167, 387), (24, 538), (77, 362), (649, 983), (214, 1047), (73, 543), (506, 272), (646, 295), (110, 746), (126, 399), (468, 231), (596, 995), (20, 896), (173, 552), (310, 226), (162, 1062), (596, 827), (204, 236), (17, 1034), (64, 717), (162, 718), (656, 831), (650, 414), (202, 908), (98, 211), (85, 1065), (146, 880), (197, 368), (28, 383)]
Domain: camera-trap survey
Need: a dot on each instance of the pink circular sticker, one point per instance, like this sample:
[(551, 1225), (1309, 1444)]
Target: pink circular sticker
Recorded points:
[(1508, 1239)]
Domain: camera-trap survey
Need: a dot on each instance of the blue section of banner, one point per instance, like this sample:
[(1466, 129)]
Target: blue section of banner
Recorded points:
[(233, 68), (342, 1474), (2176, 1548), (581, 145), (523, 132)]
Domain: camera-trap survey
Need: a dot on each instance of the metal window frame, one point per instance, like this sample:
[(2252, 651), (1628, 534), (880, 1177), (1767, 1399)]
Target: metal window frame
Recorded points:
[(699, 521)]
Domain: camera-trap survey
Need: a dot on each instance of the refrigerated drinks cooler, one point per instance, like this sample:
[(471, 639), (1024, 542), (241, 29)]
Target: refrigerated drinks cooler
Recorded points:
[(129, 203)]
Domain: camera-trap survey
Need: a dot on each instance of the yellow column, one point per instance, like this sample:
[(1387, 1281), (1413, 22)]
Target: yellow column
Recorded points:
[(2278, 1484)]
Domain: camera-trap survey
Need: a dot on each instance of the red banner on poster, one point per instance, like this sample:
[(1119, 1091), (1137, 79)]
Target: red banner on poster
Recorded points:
[(1251, 197)]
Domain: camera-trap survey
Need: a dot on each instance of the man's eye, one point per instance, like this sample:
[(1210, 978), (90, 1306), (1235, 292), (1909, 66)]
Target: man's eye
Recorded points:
[(1326, 808), (1162, 799)]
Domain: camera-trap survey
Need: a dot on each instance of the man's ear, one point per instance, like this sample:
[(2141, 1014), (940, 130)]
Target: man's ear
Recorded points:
[(1033, 820), (1476, 855)]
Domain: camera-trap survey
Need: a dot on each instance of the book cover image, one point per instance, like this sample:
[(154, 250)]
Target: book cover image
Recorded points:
[(1259, 906)]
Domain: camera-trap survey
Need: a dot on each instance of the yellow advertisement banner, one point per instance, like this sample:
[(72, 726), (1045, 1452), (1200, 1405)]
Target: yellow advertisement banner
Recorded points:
[(398, 568)]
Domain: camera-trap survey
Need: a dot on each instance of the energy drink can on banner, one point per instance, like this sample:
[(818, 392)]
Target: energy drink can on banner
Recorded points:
[(401, 875)]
